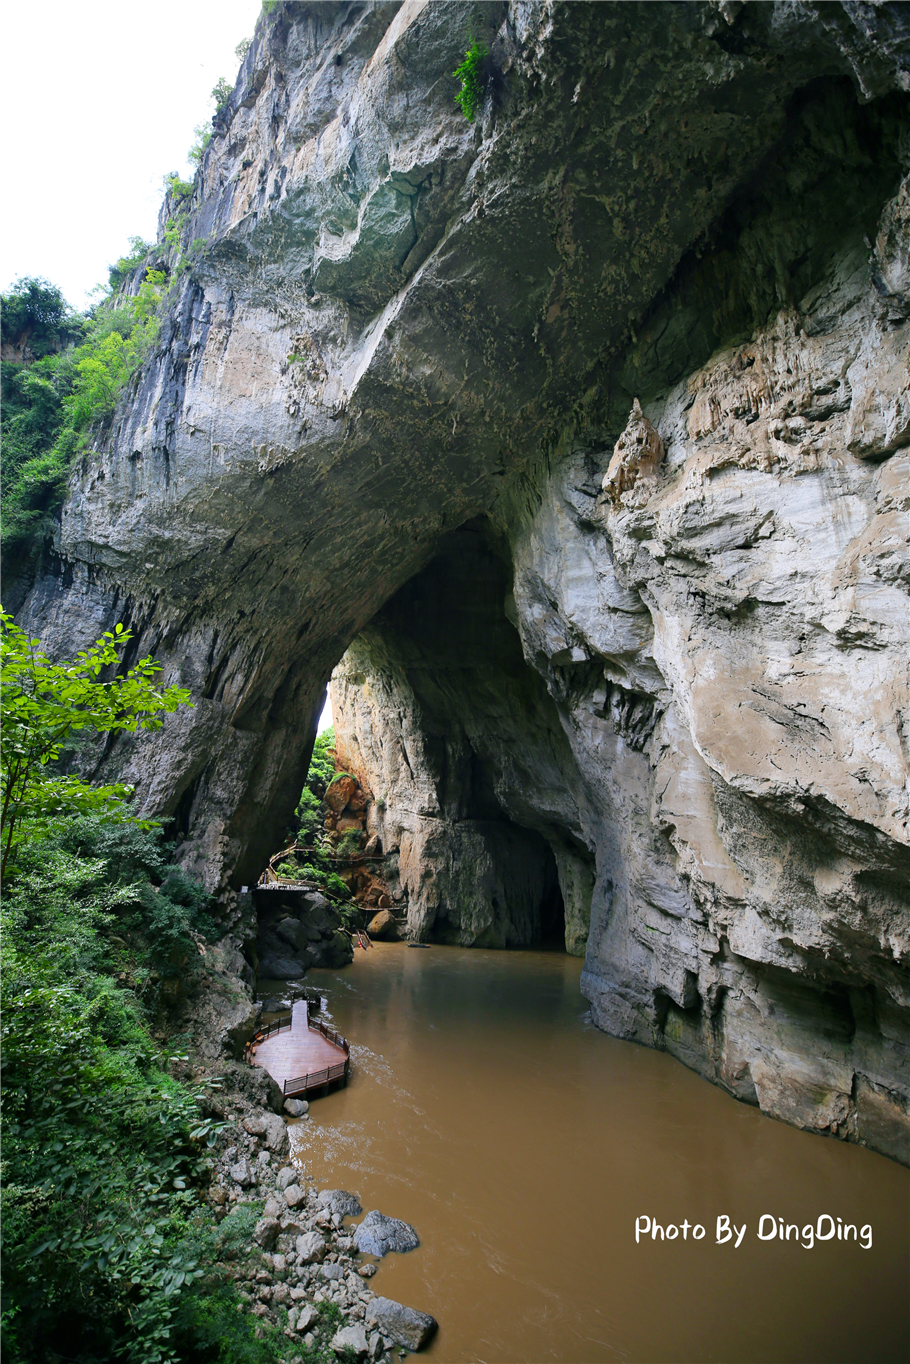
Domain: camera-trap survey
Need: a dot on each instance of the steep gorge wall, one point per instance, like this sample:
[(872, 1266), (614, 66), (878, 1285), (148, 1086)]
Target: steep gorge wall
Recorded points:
[(725, 647), (403, 329)]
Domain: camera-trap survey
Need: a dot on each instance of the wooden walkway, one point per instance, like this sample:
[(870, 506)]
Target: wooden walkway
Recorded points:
[(300, 1055)]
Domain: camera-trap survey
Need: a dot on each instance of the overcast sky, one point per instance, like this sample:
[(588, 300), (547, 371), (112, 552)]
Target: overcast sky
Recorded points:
[(99, 100)]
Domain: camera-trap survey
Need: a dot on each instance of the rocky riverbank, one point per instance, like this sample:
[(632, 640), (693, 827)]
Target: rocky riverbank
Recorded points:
[(301, 1270)]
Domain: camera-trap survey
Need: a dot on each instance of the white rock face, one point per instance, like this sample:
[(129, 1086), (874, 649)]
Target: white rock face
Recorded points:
[(726, 645)]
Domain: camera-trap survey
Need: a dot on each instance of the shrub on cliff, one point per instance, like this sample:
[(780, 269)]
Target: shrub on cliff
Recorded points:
[(104, 1153), (50, 406), (470, 73)]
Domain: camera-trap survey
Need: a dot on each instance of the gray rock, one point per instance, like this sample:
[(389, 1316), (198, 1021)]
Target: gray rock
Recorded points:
[(404, 1325), (274, 1207), (351, 1338), (307, 1315), (338, 1201), (334, 1271), (294, 1195), (277, 966), (296, 1107), (274, 1005), (378, 1234), (311, 1248), (286, 1175), (272, 1128), (266, 1232), (241, 1173)]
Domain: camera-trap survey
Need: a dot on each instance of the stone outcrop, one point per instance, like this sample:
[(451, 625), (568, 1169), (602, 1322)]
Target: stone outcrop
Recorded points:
[(297, 930), (636, 455), (667, 720)]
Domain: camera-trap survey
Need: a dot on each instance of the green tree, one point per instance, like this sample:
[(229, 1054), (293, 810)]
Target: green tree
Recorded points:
[(221, 93), (45, 706), (35, 313), (49, 407)]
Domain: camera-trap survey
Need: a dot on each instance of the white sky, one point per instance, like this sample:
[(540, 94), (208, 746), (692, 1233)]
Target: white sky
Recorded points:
[(325, 720), (99, 101)]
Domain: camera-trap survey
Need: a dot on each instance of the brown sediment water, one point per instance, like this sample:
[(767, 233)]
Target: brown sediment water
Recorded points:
[(523, 1144)]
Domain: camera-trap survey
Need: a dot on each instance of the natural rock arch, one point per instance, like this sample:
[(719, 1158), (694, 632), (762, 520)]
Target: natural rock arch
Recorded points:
[(400, 322)]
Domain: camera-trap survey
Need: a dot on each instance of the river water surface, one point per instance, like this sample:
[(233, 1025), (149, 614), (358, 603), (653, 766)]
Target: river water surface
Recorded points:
[(522, 1144)]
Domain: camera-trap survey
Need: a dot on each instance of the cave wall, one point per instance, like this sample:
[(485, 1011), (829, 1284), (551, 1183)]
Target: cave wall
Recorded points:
[(386, 324), (475, 791), (725, 646)]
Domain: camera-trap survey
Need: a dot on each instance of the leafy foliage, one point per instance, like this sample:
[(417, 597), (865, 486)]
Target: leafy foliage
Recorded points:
[(35, 312), (203, 136), (322, 764), (44, 707), (49, 407), (349, 844), (221, 93), (138, 253), (178, 189), (470, 73), (104, 1153)]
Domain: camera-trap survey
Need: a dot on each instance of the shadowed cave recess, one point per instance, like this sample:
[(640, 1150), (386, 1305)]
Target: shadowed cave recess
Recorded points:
[(438, 715), (575, 441)]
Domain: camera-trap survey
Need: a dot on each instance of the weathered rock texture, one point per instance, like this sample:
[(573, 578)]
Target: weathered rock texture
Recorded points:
[(401, 363)]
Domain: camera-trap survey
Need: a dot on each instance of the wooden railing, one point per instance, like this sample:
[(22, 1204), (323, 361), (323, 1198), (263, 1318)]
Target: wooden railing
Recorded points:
[(268, 1030), (315, 1078), (331, 1035)]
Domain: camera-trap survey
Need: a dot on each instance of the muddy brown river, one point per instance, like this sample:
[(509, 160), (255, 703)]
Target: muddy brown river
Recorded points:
[(524, 1145)]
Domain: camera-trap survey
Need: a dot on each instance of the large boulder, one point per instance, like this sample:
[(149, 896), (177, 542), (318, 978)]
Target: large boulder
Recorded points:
[(311, 1248), (378, 1234), (340, 1202), (340, 792), (384, 926), (353, 1339), (266, 1232), (275, 965), (271, 1128), (405, 1325)]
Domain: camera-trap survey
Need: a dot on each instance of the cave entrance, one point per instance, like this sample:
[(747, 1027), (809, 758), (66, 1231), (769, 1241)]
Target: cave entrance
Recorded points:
[(473, 787), (552, 910)]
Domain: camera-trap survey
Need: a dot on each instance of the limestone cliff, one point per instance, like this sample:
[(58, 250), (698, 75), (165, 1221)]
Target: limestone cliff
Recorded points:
[(397, 367)]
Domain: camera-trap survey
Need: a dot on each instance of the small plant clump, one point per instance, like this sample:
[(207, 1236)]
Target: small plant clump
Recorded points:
[(221, 93), (178, 189), (470, 73)]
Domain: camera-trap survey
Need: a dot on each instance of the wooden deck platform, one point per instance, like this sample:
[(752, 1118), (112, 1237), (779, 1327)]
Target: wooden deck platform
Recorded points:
[(300, 1054)]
